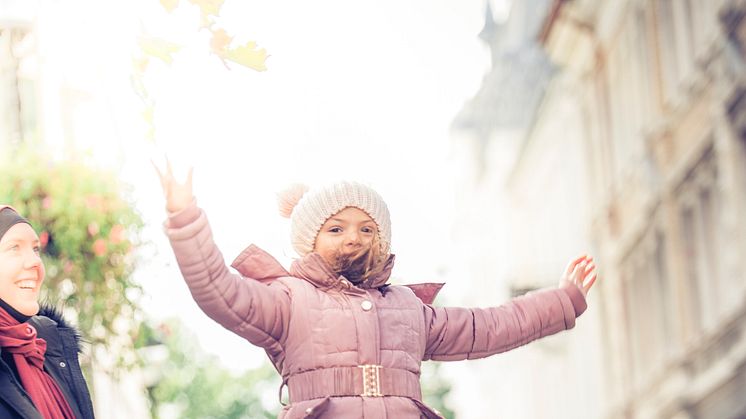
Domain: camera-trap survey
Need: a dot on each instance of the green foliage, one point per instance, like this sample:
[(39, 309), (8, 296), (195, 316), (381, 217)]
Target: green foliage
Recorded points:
[(192, 384), (435, 389), (87, 229)]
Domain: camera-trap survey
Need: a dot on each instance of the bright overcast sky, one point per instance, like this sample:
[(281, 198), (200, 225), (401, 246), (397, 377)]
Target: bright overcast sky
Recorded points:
[(353, 90)]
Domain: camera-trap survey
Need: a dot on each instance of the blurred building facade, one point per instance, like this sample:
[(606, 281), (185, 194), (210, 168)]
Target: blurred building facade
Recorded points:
[(662, 86), (520, 218), (636, 152), (17, 78)]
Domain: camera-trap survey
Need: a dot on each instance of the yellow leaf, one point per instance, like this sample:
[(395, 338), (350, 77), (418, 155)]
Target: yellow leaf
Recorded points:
[(208, 7), (169, 5), (158, 48), (249, 56), (140, 64), (147, 114), (220, 41)]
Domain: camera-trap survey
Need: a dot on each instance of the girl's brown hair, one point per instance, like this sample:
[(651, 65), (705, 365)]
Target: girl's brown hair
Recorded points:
[(361, 266)]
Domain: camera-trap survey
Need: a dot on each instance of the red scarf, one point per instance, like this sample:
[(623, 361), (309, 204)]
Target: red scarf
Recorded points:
[(28, 351)]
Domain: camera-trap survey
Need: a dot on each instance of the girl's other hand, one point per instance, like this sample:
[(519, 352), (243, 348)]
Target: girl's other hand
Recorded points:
[(581, 272), (178, 194)]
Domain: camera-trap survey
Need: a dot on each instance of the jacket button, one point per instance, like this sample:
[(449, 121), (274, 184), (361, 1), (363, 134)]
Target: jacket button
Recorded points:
[(62, 364), (366, 305), (309, 410)]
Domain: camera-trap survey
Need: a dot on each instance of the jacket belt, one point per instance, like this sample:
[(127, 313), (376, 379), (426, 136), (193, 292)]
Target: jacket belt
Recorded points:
[(363, 380)]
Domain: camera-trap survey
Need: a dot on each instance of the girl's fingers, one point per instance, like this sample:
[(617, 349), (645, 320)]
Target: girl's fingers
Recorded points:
[(161, 177), (573, 264), (576, 275), (590, 283), (589, 268)]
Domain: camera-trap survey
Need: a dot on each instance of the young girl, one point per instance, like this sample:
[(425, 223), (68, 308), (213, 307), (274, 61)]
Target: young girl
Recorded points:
[(39, 372), (348, 344)]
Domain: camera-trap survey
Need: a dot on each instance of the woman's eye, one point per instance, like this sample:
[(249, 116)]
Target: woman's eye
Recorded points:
[(367, 230), (37, 249), (335, 229)]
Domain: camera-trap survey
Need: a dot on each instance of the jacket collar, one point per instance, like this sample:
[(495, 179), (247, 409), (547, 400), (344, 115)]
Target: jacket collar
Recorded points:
[(313, 268), (257, 264)]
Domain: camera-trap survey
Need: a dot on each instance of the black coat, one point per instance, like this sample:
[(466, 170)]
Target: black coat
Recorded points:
[(60, 361)]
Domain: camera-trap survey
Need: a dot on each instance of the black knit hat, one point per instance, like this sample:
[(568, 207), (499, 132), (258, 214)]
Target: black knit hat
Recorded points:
[(8, 218)]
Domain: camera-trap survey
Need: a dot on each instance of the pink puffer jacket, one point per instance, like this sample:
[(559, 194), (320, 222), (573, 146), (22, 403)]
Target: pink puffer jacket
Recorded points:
[(346, 352)]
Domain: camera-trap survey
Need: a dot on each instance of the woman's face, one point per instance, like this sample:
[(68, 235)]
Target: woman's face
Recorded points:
[(344, 233), (21, 269)]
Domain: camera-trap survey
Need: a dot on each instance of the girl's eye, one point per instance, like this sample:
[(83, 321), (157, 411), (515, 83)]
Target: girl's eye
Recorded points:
[(367, 230), (335, 229), (37, 249)]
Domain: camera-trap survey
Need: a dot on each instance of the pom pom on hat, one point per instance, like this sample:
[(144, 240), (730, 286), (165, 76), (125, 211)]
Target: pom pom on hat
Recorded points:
[(308, 209), (289, 197)]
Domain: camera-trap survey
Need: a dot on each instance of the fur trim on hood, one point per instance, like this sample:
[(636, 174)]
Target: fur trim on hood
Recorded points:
[(55, 313)]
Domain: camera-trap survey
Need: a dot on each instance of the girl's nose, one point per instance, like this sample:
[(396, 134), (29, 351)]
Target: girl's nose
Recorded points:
[(353, 237)]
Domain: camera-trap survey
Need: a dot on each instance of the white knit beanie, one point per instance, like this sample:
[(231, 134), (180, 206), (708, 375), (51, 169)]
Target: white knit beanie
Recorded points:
[(308, 209)]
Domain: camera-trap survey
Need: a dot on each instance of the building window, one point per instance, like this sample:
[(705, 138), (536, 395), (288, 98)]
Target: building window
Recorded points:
[(644, 69), (700, 227), (689, 244), (677, 42), (648, 297), (667, 57), (663, 291)]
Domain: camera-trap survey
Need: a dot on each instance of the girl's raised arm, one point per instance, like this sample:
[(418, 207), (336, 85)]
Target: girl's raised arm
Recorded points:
[(254, 310)]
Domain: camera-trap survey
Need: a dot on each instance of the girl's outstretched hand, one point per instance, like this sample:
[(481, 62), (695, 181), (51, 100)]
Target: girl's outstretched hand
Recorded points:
[(178, 194), (581, 272)]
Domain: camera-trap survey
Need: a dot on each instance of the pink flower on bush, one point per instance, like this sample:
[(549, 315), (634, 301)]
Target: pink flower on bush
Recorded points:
[(99, 247), (93, 201), (93, 228), (116, 235), (43, 239), (46, 202)]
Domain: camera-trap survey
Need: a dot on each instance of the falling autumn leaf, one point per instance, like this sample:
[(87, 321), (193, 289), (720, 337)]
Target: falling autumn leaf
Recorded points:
[(220, 41), (169, 5), (208, 7), (140, 64), (147, 114), (249, 56), (158, 48)]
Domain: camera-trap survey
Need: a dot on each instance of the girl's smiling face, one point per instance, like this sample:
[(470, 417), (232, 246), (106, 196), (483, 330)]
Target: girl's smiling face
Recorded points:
[(346, 232), (21, 269)]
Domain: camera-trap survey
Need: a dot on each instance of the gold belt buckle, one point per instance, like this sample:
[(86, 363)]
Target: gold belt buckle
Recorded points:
[(371, 381)]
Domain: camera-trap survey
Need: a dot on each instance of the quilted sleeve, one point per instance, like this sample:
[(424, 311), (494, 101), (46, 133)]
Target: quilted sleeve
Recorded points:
[(455, 333), (254, 310)]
